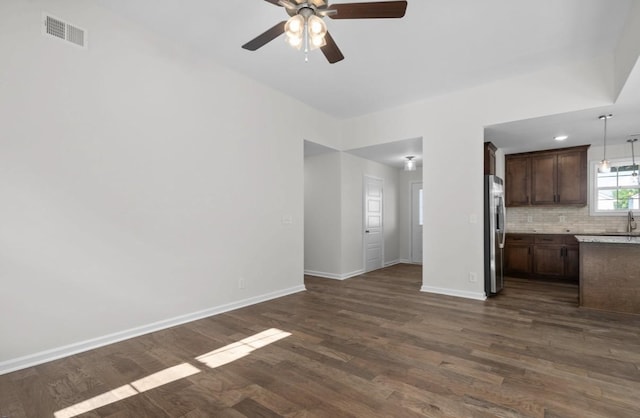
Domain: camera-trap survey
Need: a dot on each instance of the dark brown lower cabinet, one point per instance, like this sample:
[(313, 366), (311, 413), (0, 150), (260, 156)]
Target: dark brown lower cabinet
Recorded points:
[(517, 258), (549, 260), (542, 256), (572, 260)]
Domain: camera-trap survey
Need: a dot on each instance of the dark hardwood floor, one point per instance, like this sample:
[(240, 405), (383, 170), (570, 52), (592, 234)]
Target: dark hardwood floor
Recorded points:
[(373, 345)]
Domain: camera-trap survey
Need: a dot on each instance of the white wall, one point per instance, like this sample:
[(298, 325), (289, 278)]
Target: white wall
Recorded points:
[(500, 165), (452, 129), (323, 215), (404, 211), (138, 186)]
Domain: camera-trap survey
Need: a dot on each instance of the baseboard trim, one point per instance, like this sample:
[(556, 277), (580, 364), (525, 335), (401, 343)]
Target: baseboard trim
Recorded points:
[(19, 363), (334, 276), (453, 292), (392, 263), (323, 274), (352, 274)]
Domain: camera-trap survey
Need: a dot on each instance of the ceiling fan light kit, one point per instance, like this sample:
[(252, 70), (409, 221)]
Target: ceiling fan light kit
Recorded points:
[(307, 30)]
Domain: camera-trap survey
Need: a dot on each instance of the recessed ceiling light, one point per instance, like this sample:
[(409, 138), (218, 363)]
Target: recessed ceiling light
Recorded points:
[(561, 137)]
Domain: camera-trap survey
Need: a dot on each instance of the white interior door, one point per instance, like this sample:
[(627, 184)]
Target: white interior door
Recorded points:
[(373, 232), (416, 222)]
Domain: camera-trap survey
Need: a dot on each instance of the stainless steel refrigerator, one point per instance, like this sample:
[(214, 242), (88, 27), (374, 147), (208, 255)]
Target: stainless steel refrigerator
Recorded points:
[(494, 234)]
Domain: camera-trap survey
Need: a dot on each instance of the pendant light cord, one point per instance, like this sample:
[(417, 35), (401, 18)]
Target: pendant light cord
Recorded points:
[(604, 155)]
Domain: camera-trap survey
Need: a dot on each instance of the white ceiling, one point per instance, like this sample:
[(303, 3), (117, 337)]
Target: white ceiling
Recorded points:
[(392, 153), (438, 47), (311, 149), (582, 127)]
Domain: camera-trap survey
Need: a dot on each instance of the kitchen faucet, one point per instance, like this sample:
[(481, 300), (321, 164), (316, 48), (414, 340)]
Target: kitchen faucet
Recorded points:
[(631, 223)]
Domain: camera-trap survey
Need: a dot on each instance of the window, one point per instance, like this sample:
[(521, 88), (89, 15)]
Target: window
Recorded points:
[(616, 192)]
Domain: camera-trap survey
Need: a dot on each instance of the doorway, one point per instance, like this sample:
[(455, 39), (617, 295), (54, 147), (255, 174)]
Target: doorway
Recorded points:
[(373, 238), (416, 222)]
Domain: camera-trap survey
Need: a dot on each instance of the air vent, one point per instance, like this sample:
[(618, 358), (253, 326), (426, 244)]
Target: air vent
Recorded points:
[(59, 29)]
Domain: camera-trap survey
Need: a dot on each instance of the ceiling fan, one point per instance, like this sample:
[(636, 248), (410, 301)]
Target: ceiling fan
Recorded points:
[(306, 28)]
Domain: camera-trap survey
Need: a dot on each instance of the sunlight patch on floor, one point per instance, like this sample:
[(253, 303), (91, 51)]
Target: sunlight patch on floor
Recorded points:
[(242, 348), (213, 359), (146, 383)]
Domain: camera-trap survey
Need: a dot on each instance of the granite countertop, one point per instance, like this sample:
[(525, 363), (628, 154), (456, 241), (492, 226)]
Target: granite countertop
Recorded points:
[(609, 239), (543, 232), (569, 232)]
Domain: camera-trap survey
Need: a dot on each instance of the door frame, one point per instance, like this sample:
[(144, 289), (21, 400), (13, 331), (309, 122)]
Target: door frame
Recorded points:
[(364, 220), (411, 184)]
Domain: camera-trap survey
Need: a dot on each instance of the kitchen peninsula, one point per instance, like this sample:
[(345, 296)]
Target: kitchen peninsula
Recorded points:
[(610, 273)]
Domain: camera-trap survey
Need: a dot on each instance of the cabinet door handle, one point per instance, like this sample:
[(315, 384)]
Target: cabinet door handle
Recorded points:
[(528, 250)]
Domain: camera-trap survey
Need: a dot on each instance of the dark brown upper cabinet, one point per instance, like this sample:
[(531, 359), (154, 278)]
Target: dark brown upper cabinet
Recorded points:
[(547, 178), (517, 181), (489, 158)]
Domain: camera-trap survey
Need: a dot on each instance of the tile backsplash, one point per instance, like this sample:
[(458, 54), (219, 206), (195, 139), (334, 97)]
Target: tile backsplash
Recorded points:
[(562, 220)]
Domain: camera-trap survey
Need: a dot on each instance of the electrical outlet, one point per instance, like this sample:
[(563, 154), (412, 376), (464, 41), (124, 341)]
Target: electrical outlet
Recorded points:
[(241, 283), (529, 219), (563, 218), (473, 277)]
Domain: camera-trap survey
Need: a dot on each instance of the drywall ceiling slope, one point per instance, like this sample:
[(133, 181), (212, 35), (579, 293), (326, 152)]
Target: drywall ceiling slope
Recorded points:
[(438, 47), (392, 153), (582, 127)]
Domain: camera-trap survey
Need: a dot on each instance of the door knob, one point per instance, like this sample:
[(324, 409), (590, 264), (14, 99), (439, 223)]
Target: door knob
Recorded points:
[(367, 231)]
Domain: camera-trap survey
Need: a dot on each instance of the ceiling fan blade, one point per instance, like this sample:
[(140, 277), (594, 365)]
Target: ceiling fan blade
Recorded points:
[(274, 2), (266, 37), (371, 10), (287, 4), (331, 50), (326, 12)]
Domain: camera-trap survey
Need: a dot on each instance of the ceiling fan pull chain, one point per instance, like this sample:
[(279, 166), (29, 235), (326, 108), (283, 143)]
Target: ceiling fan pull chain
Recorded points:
[(306, 39)]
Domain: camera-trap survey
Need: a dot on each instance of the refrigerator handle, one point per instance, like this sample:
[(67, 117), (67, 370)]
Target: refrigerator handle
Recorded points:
[(503, 228)]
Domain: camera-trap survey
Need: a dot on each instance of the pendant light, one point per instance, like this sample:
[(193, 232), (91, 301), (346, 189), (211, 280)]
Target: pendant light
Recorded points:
[(409, 164), (636, 179), (605, 166)]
